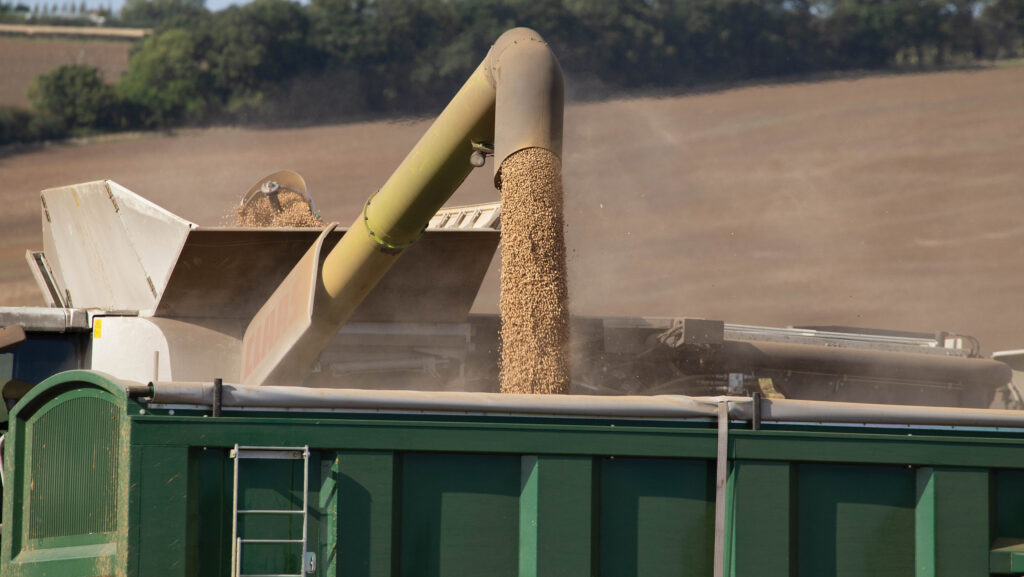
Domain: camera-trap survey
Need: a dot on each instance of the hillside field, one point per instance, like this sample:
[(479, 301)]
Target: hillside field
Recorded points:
[(22, 58), (885, 201)]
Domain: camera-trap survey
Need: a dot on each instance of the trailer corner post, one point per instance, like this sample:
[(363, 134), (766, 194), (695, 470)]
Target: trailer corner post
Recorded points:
[(721, 479)]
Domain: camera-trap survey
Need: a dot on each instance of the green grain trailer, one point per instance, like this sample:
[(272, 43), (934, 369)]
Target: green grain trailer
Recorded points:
[(108, 478)]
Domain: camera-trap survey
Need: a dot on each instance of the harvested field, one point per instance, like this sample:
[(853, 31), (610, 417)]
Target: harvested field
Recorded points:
[(23, 58), (889, 201)]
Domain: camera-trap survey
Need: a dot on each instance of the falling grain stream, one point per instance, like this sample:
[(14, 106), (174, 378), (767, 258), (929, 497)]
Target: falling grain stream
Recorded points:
[(534, 292)]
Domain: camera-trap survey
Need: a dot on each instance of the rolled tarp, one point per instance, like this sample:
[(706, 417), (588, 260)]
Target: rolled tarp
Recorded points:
[(638, 407)]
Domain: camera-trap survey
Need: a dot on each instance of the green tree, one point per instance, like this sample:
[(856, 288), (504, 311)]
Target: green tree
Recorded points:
[(165, 83), (1002, 27), (164, 14), (860, 33), (253, 50), (383, 43)]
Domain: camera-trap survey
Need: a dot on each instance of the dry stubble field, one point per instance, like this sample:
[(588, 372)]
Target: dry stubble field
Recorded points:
[(890, 201)]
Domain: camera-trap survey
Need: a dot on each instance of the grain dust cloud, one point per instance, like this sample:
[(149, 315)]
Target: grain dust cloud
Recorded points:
[(534, 299), (260, 213)]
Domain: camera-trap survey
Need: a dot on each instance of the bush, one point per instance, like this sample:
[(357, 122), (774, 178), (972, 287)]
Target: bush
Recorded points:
[(21, 125), (14, 125), (76, 96)]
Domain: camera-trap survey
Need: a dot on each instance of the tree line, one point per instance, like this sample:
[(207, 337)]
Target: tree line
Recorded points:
[(277, 61)]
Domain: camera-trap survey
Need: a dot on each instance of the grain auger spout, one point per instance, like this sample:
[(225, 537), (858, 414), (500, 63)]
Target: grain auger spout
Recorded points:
[(511, 103)]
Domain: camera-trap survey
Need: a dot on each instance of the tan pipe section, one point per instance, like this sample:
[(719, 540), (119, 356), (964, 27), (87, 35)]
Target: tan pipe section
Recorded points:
[(530, 95), (649, 407), (513, 99)]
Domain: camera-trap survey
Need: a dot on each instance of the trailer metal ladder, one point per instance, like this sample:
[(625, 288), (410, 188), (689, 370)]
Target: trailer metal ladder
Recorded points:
[(308, 559)]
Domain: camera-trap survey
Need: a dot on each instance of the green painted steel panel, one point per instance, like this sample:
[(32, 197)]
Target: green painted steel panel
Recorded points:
[(367, 510), (1006, 505), (163, 521), (557, 524), (922, 447), (210, 510), (73, 461), (1009, 494), (855, 520), (952, 522), (459, 514), (585, 437), (442, 434), (762, 519), (656, 517)]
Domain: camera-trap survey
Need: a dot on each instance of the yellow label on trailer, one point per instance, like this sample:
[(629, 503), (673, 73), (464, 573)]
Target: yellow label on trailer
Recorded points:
[(97, 328)]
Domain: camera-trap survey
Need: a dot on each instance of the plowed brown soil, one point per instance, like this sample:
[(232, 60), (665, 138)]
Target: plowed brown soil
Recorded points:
[(23, 58), (890, 201)]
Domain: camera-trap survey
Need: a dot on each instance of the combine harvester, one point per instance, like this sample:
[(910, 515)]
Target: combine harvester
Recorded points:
[(225, 402)]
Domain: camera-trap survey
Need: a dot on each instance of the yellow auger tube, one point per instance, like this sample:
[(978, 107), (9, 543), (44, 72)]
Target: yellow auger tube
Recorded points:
[(521, 76), (394, 217), (513, 100)]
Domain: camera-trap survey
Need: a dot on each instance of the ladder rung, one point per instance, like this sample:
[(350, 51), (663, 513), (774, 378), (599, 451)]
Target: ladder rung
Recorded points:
[(271, 540), (271, 511), (282, 454)]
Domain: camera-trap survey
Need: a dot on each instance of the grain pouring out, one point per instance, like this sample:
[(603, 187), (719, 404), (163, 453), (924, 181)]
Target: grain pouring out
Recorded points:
[(534, 295)]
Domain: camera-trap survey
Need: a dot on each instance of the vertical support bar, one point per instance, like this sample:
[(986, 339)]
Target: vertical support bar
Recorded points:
[(218, 392), (556, 513), (755, 420), (305, 507), (132, 517), (924, 524), (368, 534), (721, 479), (951, 522), (164, 516), (528, 517), (235, 541), (328, 544), (762, 521), (237, 568)]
